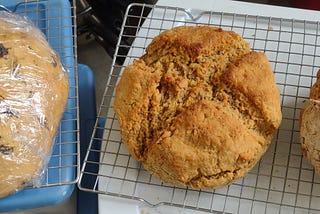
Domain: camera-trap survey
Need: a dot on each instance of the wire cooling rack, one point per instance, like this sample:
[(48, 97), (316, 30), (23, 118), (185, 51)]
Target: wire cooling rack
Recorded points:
[(283, 181), (56, 19)]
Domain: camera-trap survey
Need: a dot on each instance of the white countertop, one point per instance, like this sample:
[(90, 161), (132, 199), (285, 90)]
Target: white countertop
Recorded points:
[(245, 8), (109, 205)]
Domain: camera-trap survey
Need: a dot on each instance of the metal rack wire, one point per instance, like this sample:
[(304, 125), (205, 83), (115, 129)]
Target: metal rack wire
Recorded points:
[(283, 181), (56, 20)]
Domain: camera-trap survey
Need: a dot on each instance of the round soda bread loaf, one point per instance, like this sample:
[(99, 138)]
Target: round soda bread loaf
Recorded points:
[(200, 108), (33, 94), (310, 127)]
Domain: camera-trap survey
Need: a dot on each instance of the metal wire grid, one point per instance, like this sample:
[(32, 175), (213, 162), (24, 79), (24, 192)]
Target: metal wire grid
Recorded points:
[(283, 181), (56, 19)]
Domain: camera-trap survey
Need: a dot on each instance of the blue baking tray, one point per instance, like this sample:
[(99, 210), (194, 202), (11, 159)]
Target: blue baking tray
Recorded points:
[(54, 18)]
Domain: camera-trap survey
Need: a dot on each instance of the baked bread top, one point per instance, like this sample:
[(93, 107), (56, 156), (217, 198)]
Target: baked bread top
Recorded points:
[(199, 108), (310, 126), (33, 94)]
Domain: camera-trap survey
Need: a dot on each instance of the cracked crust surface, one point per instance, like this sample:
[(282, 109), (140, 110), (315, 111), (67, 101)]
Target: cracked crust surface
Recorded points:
[(310, 126), (199, 108)]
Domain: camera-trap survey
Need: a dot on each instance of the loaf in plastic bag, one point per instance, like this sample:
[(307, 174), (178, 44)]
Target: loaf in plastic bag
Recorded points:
[(33, 95)]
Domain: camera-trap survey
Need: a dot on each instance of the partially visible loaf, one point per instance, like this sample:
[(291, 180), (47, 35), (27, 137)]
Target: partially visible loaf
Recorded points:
[(310, 127), (200, 108), (33, 94)]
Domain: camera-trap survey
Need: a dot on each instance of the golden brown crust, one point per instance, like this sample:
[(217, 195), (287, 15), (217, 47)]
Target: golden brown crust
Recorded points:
[(33, 94), (199, 108), (199, 152), (201, 40), (309, 126), (315, 89)]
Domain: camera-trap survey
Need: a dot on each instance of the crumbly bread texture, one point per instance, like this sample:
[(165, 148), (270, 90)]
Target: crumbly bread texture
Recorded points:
[(200, 108), (310, 126), (33, 94)]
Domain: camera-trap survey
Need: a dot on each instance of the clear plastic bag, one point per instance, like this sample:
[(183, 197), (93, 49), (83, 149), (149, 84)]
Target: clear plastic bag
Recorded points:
[(33, 95)]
